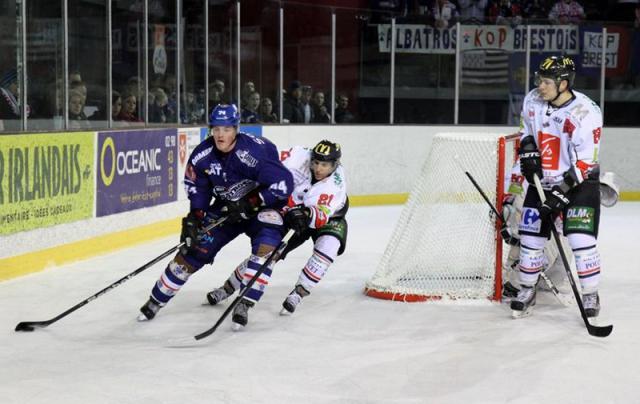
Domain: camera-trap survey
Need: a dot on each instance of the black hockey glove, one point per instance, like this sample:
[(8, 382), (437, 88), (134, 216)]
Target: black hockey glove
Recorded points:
[(530, 162), (297, 219), (243, 209), (191, 227), (556, 201)]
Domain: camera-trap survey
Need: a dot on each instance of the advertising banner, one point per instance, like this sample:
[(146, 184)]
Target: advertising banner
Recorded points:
[(136, 169), (414, 38), (188, 139), (616, 49), (45, 179)]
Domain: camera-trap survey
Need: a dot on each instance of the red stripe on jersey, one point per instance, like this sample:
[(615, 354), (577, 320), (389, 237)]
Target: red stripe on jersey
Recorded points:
[(585, 168)]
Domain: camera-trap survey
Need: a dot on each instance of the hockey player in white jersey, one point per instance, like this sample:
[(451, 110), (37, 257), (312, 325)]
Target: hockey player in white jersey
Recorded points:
[(560, 140), (316, 209)]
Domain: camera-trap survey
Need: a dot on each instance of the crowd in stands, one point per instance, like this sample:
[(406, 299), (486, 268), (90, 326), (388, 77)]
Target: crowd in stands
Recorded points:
[(444, 13)]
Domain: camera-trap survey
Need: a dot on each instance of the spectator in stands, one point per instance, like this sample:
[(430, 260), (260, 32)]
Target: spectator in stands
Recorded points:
[(504, 12), (266, 111), (473, 11), (218, 86), (305, 101), (247, 89), (80, 87), (77, 117), (9, 101), (444, 13), (250, 113), (566, 12), (75, 76), (159, 109), (535, 10), (116, 105), (292, 108), (320, 113), (342, 112), (129, 109)]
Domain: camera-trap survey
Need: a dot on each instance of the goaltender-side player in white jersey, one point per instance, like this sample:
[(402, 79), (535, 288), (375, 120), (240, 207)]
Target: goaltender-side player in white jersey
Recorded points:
[(560, 139), (316, 209)]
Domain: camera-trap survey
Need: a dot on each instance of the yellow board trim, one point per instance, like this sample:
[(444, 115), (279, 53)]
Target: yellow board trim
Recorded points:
[(64, 254), (36, 261)]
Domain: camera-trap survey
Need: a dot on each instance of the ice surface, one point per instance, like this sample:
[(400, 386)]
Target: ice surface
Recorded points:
[(339, 347)]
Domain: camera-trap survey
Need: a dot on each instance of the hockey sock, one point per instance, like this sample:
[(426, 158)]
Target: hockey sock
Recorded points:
[(325, 252), (587, 260), (235, 280), (257, 289), (531, 263), (174, 276)]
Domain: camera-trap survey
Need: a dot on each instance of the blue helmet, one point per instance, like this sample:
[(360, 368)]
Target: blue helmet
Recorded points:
[(224, 115)]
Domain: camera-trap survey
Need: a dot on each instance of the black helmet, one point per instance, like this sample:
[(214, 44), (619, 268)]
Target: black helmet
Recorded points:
[(326, 151), (558, 68)]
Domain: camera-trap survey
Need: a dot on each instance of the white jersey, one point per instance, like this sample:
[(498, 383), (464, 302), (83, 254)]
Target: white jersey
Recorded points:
[(323, 198), (568, 137)]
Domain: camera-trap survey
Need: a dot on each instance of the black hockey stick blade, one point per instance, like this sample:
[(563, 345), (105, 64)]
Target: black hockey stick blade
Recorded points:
[(598, 331), (275, 254), (32, 325)]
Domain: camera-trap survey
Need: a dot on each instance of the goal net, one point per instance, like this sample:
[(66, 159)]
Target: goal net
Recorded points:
[(447, 243)]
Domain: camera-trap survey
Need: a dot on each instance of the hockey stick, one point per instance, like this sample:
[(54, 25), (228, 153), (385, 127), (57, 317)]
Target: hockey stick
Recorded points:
[(274, 254), (32, 325), (596, 331), (514, 241)]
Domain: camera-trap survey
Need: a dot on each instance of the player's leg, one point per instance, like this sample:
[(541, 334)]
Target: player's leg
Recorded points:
[(582, 220), (330, 241), (534, 232), (183, 266), (265, 232)]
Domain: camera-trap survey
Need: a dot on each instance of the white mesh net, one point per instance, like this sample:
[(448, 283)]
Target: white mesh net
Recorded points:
[(445, 242)]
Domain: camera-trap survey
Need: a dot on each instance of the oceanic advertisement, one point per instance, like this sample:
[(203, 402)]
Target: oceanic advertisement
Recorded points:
[(136, 169), (45, 179)]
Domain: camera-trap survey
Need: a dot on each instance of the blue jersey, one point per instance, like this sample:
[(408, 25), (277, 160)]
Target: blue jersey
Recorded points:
[(210, 173)]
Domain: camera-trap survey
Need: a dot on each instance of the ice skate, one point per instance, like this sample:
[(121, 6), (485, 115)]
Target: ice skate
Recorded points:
[(509, 290), (217, 295), (591, 303), (241, 314), (293, 300), (522, 305), (148, 310)]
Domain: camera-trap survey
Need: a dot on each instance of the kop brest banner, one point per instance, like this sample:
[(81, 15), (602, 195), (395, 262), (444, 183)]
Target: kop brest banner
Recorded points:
[(136, 169), (188, 139), (45, 179)]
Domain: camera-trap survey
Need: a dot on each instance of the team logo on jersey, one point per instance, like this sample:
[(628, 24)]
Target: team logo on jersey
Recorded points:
[(214, 168), (246, 158), (530, 221), (549, 150)]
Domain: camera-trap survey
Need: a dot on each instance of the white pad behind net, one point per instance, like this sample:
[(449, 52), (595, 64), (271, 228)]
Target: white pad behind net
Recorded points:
[(444, 245)]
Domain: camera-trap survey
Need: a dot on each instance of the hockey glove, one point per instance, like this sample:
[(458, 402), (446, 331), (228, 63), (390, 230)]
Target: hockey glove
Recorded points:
[(530, 162), (191, 226), (556, 201), (243, 209), (297, 219)]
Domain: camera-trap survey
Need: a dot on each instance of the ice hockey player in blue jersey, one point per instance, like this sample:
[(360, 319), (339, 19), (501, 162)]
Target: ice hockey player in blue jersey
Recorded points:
[(249, 185)]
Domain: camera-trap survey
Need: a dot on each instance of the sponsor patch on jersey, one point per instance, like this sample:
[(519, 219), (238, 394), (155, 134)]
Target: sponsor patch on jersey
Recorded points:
[(549, 150), (596, 135), (270, 216), (530, 221), (246, 158), (580, 218), (201, 155)]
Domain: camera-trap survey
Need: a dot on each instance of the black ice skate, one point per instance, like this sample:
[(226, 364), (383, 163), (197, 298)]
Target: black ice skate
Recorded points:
[(509, 290), (522, 305), (217, 295), (148, 310), (294, 298), (241, 314), (591, 303)]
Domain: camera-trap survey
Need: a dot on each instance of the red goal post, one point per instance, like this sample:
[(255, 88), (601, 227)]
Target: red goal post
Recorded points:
[(447, 244)]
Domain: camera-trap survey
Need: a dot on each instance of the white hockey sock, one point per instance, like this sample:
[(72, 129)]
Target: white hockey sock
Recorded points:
[(587, 261), (531, 263), (325, 252)]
